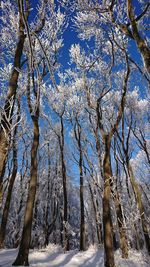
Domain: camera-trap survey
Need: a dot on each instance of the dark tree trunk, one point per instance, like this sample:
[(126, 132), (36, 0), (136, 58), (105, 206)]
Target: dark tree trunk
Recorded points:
[(48, 200), (108, 242), (10, 186), (51, 226), (141, 43), (65, 197), (120, 220), (77, 131), (140, 205), (8, 200), (98, 225), (22, 258), (9, 103), (82, 216), (118, 208)]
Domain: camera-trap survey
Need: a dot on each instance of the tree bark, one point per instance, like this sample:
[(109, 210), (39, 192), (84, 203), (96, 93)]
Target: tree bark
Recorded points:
[(8, 200), (141, 43), (82, 216), (120, 220), (10, 187), (22, 258), (108, 243), (65, 196), (140, 206), (77, 131), (98, 225), (6, 119)]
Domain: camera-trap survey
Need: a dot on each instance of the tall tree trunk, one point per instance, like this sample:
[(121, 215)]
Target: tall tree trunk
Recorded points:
[(65, 197), (108, 243), (10, 187), (22, 258), (46, 230), (50, 227), (98, 226), (118, 207), (77, 131), (140, 205), (6, 119), (120, 220), (82, 216)]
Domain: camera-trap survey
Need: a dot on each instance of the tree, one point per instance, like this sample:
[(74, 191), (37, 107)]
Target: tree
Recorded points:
[(123, 17), (6, 119), (72, 166), (107, 127), (22, 258), (11, 183), (125, 144), (36, 71), (78, 136)]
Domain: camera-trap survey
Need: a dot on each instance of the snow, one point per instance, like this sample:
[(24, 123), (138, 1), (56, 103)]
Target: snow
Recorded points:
[(53, 256)]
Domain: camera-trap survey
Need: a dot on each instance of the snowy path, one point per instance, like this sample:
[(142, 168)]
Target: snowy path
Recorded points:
[(54, 257)]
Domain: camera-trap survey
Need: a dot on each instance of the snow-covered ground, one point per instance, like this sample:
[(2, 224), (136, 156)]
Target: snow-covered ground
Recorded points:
[(53, 256)]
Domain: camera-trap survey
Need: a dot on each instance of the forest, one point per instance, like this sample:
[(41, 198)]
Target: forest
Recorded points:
[(74, 133)]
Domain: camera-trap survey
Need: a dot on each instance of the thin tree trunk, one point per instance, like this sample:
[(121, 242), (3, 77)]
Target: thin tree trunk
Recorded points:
[(48, 200), (65, 197), (119, 212), (140, 206), (120, 220), (51, 226), (98, 226), (10, 188), (98, 149), (82, 216), (77, 131)]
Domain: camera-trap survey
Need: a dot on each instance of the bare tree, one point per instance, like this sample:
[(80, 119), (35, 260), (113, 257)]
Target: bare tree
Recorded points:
[(22, 258), (11, 182), (6, 119), (136, 189), (78, 134)]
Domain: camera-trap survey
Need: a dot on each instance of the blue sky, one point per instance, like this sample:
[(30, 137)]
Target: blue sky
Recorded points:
[(70, 37)]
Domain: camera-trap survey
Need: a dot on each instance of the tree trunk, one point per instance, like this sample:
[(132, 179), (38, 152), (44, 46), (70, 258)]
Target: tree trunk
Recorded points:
[(65, 197), (140, 206), (108, 243), (10, 187), (82, 217), (98, 226), (98, 149), (120, 220), (118, 208), (9, 103), (8, 200), (50, 227), (46, 230), (22, 258), (77, 132), (141, 43)]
